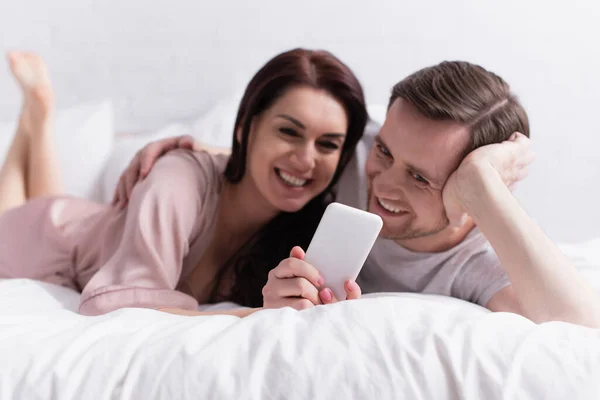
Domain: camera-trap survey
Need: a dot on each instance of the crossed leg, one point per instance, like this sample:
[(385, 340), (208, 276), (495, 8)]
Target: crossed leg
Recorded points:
[(31, 166)]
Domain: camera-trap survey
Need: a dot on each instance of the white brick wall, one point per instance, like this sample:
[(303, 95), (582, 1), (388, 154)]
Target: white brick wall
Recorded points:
[(172, 59), (165, 60)]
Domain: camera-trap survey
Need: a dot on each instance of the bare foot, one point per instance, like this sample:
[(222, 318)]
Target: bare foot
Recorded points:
[(30, 71)]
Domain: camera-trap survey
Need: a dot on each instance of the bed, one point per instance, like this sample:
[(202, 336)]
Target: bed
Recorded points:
[(384, 346)]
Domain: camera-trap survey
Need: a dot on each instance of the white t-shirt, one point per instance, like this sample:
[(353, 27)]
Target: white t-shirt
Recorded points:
[(470, 271)]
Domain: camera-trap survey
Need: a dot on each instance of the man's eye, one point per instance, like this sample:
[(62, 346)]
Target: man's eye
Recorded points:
[(383, 150), (419, 178)]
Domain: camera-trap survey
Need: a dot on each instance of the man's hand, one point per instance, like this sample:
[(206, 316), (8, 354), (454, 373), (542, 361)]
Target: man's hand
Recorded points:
[(142, 163), (297, 284), (505, 162)]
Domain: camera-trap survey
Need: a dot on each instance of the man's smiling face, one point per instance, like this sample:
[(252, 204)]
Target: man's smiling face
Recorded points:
[(407, 168)]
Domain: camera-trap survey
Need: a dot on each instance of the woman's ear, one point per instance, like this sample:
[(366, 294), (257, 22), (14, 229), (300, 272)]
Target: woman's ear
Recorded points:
[(238, 135), (238, 131)]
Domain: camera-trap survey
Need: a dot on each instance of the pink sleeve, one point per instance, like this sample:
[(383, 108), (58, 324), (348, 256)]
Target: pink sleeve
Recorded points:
[(161, 216)]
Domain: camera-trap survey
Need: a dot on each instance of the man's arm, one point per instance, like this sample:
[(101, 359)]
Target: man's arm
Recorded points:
[(545, 286), (144, 160)]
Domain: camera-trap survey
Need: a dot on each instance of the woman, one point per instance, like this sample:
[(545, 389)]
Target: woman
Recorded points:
[(200, 228)]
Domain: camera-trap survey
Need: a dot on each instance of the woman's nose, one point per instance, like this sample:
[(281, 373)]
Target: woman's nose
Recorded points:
[(305, 157)]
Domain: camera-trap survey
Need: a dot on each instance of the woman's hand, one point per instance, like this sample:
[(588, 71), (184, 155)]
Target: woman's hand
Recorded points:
[(298, 284)]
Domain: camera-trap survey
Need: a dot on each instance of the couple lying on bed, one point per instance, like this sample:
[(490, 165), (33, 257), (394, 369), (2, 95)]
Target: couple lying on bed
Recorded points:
[(193, 227)]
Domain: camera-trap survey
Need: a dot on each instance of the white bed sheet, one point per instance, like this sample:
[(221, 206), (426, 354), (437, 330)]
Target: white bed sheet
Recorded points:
[(395, 346)]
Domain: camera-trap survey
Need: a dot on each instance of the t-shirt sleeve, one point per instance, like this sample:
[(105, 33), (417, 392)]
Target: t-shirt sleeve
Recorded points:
[(161, 215), (480, 277)]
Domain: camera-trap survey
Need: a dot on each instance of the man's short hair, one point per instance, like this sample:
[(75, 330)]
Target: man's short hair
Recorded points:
[(468, 94)]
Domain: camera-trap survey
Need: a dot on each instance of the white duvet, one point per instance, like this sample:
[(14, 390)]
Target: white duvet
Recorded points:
[(401, 346)]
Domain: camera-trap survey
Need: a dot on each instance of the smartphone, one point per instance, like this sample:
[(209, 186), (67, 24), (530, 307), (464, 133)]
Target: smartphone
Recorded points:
[(341, 244)]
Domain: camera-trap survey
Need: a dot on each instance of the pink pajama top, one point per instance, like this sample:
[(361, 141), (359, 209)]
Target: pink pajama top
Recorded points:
[(134, 257)]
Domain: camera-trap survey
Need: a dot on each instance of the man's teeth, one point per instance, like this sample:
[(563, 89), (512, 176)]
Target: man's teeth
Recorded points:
[(291, 180), (388, 206)]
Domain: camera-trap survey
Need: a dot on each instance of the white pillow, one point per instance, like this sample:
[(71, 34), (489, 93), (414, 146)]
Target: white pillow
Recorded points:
[(215, 128), (122, 153), (377, 112), (84, 139)]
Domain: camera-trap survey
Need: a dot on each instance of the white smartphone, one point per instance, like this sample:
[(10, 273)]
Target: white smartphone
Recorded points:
[(341, 244)]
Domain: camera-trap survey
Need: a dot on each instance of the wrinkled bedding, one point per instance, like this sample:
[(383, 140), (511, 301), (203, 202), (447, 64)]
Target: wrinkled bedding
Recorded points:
[(384, 346)]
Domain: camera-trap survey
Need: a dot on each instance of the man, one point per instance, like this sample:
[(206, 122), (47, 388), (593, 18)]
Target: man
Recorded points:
[(438, 173)]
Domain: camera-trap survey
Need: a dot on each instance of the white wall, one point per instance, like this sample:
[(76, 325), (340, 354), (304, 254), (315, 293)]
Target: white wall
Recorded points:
[(167, 60)]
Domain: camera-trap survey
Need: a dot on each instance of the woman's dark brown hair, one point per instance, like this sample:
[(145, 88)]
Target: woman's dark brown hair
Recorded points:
[(294, 68)]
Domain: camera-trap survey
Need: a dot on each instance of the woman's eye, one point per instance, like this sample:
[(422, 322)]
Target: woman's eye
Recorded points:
[(419, 178), (288, 131), (330, 145)]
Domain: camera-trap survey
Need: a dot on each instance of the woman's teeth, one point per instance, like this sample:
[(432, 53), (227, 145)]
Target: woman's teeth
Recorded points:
[(388, 207), (291, 180)]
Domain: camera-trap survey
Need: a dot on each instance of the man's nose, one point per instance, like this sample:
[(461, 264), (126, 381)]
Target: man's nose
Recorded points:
[(390, 183)]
